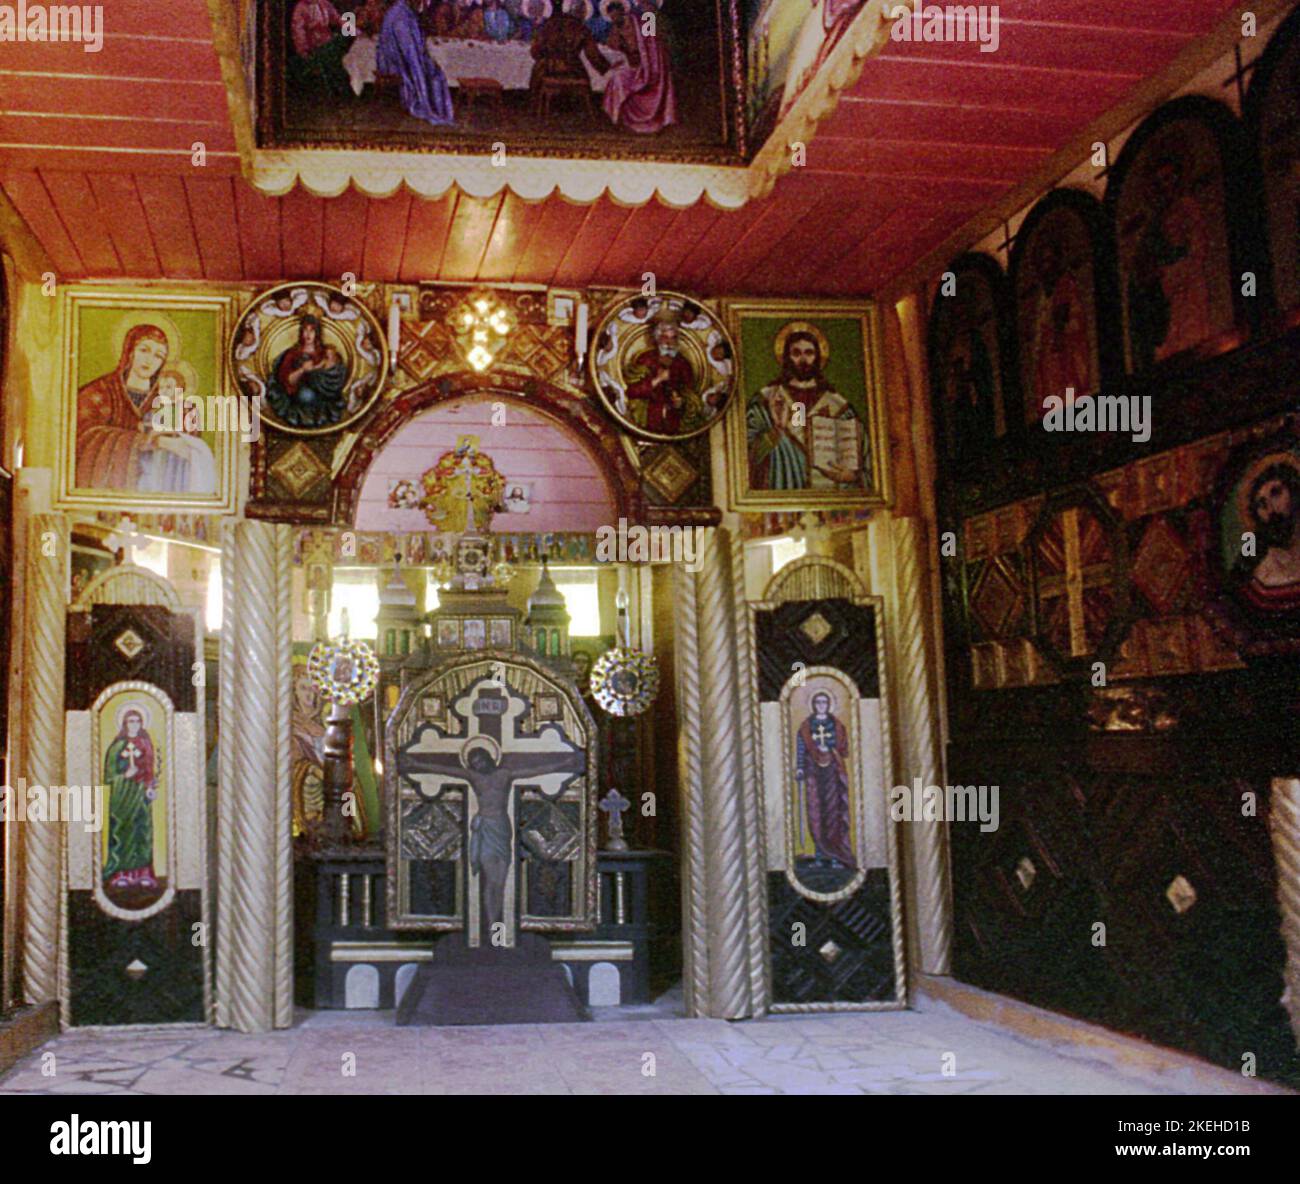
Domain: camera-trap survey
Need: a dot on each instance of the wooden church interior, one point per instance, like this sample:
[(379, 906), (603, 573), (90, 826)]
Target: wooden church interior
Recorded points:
[(468, 648)]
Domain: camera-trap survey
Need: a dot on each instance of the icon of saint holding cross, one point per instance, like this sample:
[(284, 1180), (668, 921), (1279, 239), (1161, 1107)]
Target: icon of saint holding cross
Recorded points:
[(131, 774), (821, 750)]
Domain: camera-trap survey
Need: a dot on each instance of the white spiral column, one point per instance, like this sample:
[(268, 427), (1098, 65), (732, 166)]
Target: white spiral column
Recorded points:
[(42, 705), (254, 978)]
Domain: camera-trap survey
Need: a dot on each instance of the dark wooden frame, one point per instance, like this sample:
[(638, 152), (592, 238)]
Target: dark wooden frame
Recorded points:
[(1252, 114), (1240, 210), (991, 271), (1105, 288)]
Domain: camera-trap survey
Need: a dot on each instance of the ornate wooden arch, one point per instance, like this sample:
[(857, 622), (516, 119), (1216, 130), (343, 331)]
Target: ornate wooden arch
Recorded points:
[(576, 417)]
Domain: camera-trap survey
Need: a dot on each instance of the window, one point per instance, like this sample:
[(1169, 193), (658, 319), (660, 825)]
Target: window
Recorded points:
[(786, 550), (357, 590), (581, 595), (212, 609)]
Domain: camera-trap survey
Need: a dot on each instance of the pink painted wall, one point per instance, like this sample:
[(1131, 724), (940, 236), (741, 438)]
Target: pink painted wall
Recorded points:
[(569, 491)]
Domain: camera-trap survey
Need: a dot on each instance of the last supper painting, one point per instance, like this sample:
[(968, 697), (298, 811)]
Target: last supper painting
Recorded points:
[(643, 78)]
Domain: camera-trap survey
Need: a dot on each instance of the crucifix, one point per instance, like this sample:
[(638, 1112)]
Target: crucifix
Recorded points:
[(493, 761), (613, 804)]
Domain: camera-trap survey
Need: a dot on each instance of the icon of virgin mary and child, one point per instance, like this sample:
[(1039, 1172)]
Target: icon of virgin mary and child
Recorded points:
[(119, 445)]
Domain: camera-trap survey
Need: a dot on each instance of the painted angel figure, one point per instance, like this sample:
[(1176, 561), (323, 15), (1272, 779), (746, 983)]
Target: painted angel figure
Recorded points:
[(286, 304), (336, 307)]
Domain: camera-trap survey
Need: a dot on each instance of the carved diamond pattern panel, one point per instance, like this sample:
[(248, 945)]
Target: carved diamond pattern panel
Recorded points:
[(1162, 565), (846, 954), (816, 633), (998, 599), (550, 830), (117, 642), (432, 830), (141, 972)]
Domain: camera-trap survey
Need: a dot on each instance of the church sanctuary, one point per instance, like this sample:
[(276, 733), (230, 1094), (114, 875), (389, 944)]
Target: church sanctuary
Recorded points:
[(650, 547)]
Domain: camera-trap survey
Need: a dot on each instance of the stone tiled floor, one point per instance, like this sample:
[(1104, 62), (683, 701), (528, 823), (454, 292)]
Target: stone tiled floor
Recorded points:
[(933, 1051)]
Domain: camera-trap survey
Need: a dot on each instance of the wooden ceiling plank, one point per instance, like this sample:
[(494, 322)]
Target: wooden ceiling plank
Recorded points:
[(426, 236), (516, 223), (345, 237), (130, 98), (259, 232), (128, 224), (216, 225), (168, 213), (31, 200), (583, 261), (471, 227), (80, 212), (634, 250), (560, 222), (387, 219), (302, 234)]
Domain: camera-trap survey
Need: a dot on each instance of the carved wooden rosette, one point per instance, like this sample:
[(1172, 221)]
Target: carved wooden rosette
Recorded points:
[(724, 885), (254, 981), (1284, 826), (45, 641)]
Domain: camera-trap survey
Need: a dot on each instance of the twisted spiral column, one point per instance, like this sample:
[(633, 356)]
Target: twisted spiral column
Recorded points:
[(225, 765), (932, 877), (730, 885), (256, 903), (686, 659), (755, 820), (45, 641), (284, 777), (1284, 826)]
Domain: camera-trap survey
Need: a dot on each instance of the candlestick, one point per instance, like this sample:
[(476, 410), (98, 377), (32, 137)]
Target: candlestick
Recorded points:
[(580, 332)]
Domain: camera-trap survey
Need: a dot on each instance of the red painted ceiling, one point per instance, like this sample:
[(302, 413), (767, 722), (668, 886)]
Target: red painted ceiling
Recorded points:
[(95, 154)]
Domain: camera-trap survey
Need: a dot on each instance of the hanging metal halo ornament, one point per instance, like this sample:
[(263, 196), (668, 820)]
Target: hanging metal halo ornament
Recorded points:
[(624, 681), (344, 671)]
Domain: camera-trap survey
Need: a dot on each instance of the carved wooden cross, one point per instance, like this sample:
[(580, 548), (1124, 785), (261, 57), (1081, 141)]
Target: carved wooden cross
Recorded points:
[(127, 539), (614, 803), (1074, 581)]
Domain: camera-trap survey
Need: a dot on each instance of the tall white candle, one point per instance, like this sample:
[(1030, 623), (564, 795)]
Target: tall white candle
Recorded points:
[(580, 332), (394, 332)]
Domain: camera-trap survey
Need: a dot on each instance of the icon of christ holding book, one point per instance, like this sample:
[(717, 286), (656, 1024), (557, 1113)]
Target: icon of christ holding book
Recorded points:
[(802, 433)]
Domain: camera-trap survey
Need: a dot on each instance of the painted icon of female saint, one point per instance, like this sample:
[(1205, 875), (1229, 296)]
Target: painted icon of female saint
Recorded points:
[(131, 771), (122, 441), (306, 386)]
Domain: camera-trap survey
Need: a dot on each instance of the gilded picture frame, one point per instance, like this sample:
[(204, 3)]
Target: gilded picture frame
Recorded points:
[(807, 427), (127, 356)]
